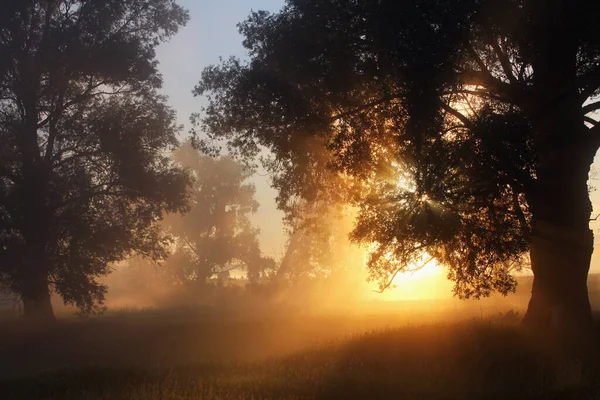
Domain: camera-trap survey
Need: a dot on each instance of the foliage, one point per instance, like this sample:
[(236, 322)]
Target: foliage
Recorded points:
[(216, 236), (427, 114), (84, 173)]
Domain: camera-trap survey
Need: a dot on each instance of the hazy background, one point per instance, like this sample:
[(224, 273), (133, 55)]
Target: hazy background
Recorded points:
[(212, 33)]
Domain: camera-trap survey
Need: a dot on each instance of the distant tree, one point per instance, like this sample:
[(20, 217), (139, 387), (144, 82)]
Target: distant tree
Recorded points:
[(317, 246), (216, 236), (84, 170), (466, 126)]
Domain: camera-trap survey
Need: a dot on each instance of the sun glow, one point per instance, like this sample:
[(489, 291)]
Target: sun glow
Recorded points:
[(403, 182), (427, 283)]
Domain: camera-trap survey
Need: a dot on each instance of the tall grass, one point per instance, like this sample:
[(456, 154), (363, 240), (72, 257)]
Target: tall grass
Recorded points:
[(483, 359)]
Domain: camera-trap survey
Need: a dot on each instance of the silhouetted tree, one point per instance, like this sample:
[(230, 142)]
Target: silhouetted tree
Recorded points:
[(318, 242), (84, 173), (466, 128), (216, 236)]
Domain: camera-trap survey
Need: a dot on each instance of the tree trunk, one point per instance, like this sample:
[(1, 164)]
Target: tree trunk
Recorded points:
[(35, 291), (561, 241), (35, 214), (36, 298), (287, 263), (560, 260)]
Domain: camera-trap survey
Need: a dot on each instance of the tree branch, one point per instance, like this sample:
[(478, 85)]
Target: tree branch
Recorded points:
[(519, 211), (506, 92), (227, 269), (478, 61), (88, 93), (365, 107), (589, 83), (52, 132), (192, 248), (458, 115), (504, 61), (588, 108)]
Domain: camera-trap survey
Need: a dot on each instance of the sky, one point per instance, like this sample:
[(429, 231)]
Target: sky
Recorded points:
[(212, 33)]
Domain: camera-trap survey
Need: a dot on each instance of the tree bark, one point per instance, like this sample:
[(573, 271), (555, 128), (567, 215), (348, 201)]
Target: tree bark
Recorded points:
[(561, 241), (34, 217), (560, 260), (36, 298), (35, 291)]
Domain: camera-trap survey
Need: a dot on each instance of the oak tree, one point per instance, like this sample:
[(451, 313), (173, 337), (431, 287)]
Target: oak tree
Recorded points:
[(84, 137), (465, 128)]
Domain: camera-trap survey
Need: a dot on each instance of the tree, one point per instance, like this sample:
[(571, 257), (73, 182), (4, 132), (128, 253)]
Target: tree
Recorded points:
[(84, 175), (216, 236), (318, 245), (465, 128)]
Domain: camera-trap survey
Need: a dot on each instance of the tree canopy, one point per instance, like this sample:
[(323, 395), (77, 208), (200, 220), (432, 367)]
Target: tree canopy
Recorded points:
[(84, 137), (462, 129), (216, 236)]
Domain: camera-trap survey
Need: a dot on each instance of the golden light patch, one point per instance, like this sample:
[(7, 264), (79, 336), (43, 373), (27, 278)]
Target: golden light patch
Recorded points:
[(427, 283)]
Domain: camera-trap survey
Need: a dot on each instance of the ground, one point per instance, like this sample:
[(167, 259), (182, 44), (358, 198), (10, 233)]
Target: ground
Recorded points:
[(283, 354)]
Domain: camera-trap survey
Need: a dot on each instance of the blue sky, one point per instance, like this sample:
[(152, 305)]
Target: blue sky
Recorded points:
[(210, 34)]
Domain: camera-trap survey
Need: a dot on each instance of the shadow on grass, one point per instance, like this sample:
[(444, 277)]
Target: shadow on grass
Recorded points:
[(474, 360)]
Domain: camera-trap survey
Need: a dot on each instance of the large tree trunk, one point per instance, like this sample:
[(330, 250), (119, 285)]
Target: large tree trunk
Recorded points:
[(35, 291), (35, 227), (560, 259), (561, 241), (36, 298)]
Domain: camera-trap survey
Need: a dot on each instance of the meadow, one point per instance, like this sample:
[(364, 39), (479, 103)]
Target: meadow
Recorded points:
[(286, 353)]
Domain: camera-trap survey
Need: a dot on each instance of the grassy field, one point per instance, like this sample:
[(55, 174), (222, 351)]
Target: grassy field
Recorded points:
[(283, 354)]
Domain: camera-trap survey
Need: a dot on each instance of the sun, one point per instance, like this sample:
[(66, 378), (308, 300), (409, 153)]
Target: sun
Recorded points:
[(427, 283)]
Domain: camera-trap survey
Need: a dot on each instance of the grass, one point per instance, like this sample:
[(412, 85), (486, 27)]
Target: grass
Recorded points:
[(483, 359)]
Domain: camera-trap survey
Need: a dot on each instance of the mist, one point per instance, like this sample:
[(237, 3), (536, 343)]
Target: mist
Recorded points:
[(299, 199)]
